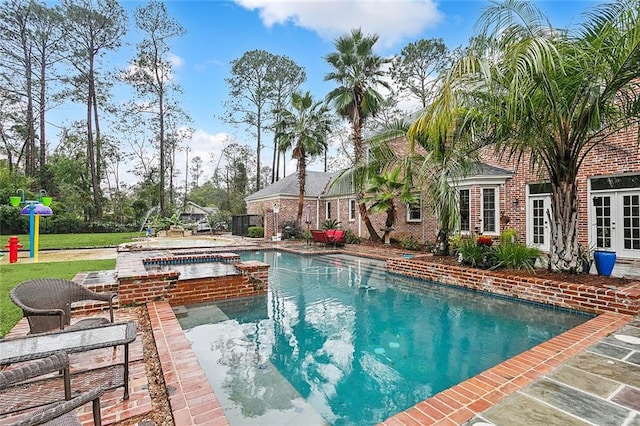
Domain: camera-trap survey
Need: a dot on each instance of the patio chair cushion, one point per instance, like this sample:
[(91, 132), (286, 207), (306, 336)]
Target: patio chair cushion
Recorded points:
[(46, 303)]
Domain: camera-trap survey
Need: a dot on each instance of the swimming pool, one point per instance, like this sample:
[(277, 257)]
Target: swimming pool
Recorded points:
[(339, 341)]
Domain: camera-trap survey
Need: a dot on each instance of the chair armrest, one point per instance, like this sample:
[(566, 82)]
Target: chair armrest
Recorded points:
[(56, 362), (61, 408), (82, 293)]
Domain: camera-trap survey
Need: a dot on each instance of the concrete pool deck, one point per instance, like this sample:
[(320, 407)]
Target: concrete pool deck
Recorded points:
[(583, 376)]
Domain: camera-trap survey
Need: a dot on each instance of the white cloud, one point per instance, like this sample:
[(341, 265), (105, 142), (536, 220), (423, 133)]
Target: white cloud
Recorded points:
[(206, 146), (392, 20), (175, 60)]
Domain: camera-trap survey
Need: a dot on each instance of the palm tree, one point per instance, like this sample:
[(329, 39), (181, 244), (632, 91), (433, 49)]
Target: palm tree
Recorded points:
[(357, 71), (305, 130), (383, 190), (552, 96)]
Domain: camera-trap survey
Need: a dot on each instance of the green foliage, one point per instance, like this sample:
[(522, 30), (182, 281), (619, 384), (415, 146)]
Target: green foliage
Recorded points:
[(255, 232), (411, 244), (11, 222), (330, 224), (352, 238), (514, 255), (454, 242), (473, 254), (478, 254), (509, 235)]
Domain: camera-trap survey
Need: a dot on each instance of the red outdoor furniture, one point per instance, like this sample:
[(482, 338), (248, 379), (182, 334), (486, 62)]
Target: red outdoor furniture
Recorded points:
[(319, 236), (330, 236), (339, 237)]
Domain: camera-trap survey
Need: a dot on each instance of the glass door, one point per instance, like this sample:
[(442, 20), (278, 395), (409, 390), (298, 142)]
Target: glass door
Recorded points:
[(603, 222), (630, 221), (538, 231)]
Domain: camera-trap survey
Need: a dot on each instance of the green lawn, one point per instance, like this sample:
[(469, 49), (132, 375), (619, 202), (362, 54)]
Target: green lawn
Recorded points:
[(13, 274), (58, 241)]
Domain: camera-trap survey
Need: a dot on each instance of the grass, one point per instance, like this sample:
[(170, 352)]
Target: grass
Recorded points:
[(70, 241), (16, 273)]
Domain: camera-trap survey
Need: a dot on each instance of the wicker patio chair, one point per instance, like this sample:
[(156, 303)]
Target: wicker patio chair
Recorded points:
[(46, 303), (16, 388)]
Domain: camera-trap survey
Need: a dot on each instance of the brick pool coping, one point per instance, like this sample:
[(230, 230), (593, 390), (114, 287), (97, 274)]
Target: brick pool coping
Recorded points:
[(193, 401)]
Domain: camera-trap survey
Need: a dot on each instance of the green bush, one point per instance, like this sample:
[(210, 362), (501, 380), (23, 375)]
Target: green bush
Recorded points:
[(351, 238), (474, 254), (509, 235), (11, 222), (255, 232), (515, 255), (330, 224), (410, 244)]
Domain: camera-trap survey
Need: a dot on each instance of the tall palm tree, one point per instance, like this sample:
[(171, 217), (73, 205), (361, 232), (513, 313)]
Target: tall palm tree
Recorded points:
[(552, 96), (304, 129), (358, 71)]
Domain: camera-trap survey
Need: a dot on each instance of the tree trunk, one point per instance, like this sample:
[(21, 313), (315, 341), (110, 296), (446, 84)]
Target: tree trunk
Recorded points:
[(563, 219), (273, 163), (302, 180), (95, 179), (359, 156), (41, 113)]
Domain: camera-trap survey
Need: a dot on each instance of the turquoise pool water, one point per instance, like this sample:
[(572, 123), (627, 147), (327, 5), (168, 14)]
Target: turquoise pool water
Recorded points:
[(339, 341)]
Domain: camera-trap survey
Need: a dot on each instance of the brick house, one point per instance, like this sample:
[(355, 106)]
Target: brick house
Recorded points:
[(498, 195)]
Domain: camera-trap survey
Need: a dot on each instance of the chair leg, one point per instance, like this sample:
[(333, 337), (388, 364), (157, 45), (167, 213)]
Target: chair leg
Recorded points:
[(97, 420)]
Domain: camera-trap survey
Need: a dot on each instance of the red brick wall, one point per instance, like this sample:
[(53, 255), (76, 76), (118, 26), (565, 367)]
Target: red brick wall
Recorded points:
[(252, 280), (583, 298)]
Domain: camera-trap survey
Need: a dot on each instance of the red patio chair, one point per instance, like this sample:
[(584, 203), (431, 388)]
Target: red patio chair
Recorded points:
[(319, 236)]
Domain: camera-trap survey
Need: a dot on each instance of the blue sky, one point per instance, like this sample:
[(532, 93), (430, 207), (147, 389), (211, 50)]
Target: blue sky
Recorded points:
[(219, 31)]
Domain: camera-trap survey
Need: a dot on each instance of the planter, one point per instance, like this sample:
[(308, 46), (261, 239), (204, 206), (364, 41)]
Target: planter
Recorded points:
[(605, 261)]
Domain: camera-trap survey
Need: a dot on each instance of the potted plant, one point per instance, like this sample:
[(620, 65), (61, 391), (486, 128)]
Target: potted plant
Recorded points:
[(605, 261)]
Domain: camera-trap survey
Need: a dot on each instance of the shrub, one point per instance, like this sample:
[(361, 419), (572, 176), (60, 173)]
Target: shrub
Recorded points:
[(509, 235), (474, 254), (411, 244), (255, 232), (352, 238), (330, 224), (515, 255)]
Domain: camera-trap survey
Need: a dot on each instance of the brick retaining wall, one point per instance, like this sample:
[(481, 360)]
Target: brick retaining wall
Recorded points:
[(585, 298), (252, 280)]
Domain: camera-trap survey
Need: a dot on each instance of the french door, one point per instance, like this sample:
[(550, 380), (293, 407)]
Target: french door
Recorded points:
[(615, 222), (538, 231)]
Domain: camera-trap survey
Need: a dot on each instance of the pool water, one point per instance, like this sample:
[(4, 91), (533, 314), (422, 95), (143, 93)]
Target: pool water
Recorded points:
[(339, 341)]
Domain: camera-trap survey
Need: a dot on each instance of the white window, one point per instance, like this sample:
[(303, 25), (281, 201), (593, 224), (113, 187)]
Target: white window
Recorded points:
[(414, 211), (352, 210), (464, 197), (489, 214), (328, 209)]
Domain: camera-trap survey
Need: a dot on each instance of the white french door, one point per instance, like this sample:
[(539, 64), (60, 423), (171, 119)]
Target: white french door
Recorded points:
[(538, 230), (615, 222)]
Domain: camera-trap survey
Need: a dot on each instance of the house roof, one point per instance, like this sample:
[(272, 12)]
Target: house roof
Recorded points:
[(315, 185), (482, 169), (318, 183)]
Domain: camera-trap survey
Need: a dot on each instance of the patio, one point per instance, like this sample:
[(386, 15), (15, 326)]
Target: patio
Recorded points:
[(586, 364)]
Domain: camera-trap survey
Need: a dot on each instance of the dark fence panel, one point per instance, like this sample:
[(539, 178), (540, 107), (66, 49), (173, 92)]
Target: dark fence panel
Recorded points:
[(241, 223)]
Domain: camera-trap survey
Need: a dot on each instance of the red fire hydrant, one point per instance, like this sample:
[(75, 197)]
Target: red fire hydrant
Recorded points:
[(13, 247)]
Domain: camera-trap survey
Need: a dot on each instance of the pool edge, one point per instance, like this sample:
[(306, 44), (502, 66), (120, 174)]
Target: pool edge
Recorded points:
[(193, 401)]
